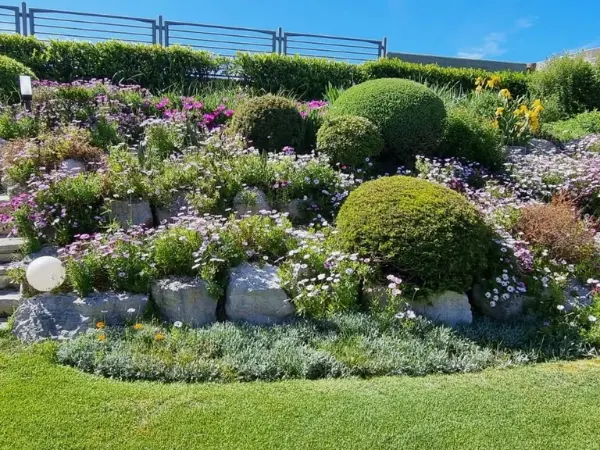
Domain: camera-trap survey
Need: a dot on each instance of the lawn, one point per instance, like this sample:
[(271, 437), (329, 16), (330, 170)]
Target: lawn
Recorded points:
[(546, 406)]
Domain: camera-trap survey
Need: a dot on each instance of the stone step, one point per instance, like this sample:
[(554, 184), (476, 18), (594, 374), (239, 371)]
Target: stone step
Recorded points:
[(9, 300), (4, 207), (5, 281), (9, 248)]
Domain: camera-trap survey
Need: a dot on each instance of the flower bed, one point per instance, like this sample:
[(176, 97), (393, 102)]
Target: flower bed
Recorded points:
[(167, 196)]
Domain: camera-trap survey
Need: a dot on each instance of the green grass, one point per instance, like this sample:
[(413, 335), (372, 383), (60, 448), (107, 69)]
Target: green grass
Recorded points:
[(547, 406), (573, 128)]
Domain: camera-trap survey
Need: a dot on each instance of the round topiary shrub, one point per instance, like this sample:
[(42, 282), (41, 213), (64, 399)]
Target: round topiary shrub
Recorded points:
[(472, 138), (349, 140), (409, 115), (9, 77), (425, 231), (268, 122)]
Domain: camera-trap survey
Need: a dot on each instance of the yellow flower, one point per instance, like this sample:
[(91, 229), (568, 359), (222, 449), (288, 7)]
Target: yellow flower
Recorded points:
[(100, 325), (495, 124), (537, 105), (159, 337), (102, 337), (138, 326), (505, 93), (521, 110), (499, 111), (478, 89), (492, 82), (479, 81)]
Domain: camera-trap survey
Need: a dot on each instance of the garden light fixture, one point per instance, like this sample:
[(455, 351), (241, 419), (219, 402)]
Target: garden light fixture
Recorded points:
[(26, 90)]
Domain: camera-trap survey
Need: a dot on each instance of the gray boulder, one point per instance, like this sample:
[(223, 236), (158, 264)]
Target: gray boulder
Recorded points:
[(250, 201), (72, 166), (179, 205), (63, 316), (187, 301), (502, 309), (296, 209), (542, 146), (449, 308), (127, 214), (254, 294)]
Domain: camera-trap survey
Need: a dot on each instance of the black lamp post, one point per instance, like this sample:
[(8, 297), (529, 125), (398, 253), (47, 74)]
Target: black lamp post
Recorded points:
[(26, 91)]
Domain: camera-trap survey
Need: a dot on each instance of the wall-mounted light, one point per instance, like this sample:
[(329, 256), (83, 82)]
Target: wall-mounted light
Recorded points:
[(26, 90)]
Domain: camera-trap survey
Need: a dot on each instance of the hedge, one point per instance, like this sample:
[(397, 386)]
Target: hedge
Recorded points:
[(156, 67), (151, 66), (464, 78), (303, 77)]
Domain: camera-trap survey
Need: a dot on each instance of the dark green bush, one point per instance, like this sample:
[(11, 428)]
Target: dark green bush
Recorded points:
[(473, 138), (410, 116), (463, 78), (9, 78), (151, 66), (268, 122), (574, 81), (425, 231), (306, 78), (349, 140), (574, 128), (27, 50)]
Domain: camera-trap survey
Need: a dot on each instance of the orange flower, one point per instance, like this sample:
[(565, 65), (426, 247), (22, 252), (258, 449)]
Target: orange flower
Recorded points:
[(100, 325), (138, 326), (159, 337), (102, 337)]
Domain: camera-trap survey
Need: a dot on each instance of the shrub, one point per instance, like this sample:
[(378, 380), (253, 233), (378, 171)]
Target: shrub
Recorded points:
[(575, 128), (574, 81), (18, 124), (9, 77), (557, 228), (307, 78), (410, 116), (473, 138), (432, 74), (429, 233), (349, 140), (269, 122), (174, 251)]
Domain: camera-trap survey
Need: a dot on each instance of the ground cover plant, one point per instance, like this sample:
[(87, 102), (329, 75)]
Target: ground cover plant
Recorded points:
[(314, 189), (44, 405)]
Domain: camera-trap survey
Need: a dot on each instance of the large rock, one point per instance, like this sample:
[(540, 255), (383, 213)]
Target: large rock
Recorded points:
[(504, 309), (63, 316), (179, 205), (250, 201), (127, 214), (187, 301), (542, 146), (254, 294), (449, 308), (296, 209), (72, 166)]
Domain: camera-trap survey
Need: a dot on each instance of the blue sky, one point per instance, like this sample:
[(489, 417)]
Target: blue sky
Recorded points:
[(511, 30)]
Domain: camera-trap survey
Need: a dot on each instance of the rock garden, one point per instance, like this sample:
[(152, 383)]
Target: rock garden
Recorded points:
[(217, 231)]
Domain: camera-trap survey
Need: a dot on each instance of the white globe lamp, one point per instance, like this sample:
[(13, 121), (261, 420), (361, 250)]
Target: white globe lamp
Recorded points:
[(45, 273)]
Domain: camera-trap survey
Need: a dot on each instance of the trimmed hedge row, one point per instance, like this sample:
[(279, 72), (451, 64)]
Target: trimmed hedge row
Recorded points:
[(151, 66), (156, 67)]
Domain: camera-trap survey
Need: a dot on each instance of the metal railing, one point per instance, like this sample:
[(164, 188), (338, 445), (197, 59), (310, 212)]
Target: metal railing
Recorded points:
[(220, 39)]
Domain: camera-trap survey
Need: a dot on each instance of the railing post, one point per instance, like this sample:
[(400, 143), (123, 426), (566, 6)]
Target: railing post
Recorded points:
[(23, 17), (31, 24), (160, 30), (383, 48), (284, 43), (165, 28), (276, 40)]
